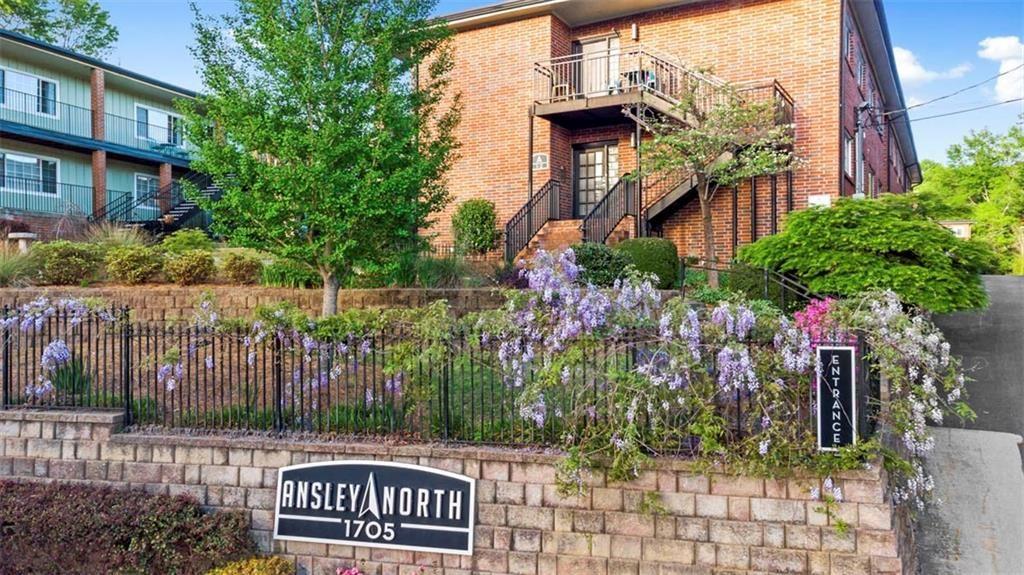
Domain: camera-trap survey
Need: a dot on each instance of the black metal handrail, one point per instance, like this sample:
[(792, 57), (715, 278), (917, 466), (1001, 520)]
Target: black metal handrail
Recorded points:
[(620, 201), (538, 210), (123, 209), (42, 195), (756, 282)]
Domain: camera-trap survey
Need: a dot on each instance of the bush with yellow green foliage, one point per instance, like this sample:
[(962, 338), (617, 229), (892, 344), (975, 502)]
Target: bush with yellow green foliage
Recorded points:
[(256, 566)]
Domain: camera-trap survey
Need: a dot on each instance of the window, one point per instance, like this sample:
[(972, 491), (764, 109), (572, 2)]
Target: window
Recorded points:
[(23, 173), (28, 93), (146, 188), (157, 125), (848, 45), (849, 153)]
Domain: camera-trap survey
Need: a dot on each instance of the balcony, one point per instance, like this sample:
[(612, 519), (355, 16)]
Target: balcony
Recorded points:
[(591, 88), (43, 196), (40, 118)]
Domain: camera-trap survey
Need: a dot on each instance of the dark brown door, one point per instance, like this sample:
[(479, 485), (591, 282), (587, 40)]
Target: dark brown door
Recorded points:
[(595, 171)]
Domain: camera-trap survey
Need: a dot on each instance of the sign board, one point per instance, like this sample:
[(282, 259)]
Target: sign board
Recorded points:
[(376, 504), (540, 161), (837, 397)]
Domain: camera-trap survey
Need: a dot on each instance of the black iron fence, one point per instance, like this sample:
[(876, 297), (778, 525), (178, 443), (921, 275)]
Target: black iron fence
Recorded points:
[(386, 384)]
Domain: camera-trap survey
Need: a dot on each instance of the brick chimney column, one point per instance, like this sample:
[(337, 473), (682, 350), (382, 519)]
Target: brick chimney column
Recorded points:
[(166, 178), (97, 91)]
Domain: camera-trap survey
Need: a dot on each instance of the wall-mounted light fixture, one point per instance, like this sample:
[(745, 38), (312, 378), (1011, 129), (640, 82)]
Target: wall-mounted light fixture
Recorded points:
[(634, 32)]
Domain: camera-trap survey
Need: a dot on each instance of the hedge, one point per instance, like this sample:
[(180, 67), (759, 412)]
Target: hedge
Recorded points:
[(70, 529)]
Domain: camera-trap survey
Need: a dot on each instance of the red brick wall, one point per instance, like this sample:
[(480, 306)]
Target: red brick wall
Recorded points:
[(882, 157), (494, 73), (797, 42)]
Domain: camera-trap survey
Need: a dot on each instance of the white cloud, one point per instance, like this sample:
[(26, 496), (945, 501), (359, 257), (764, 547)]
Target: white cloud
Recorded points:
[(913, 72), (1009, 52), (913, 101)]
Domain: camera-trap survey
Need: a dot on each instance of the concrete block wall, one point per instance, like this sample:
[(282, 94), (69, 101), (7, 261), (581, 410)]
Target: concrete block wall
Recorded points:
[(709, 523), (171, 302)]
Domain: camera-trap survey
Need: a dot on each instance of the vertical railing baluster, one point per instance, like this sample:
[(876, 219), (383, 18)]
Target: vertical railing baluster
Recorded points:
[(126, 365)]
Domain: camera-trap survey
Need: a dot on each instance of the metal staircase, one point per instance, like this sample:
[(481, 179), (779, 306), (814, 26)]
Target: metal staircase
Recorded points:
[(524, 225), (181, 211)]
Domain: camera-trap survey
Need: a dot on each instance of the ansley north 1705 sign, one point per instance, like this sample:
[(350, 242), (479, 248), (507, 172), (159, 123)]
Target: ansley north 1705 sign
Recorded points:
[(376, 504)]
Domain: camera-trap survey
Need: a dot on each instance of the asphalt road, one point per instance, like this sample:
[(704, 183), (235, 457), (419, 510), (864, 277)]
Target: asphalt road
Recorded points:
[(977, 526), (991, 343)]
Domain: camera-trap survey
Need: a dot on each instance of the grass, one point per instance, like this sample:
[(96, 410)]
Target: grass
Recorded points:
[(17, 269), (109, 235)]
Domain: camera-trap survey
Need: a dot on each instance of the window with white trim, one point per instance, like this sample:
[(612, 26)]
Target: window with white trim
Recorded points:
[(24, 173), (146, 186), (157, 125), (27, 92), (849, 154)]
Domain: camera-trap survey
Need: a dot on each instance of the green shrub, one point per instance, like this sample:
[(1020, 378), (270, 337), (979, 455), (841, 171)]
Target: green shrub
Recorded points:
[(290, 274), (861, 245), (17, 269), (67, 263), (601, 264), (61, 528), (133, 264), (709, 295), (242, 268), (189, 268), (187, 240), (475, 226), (656, 256), (257, 566), (440, 273)]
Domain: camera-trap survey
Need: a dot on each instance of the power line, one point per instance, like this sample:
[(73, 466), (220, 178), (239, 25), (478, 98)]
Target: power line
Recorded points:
[(953, 113), (960, 91)]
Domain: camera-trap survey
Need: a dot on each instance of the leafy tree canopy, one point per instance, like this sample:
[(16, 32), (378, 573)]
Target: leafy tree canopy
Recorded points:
[(721, 140), (888, 243), (328, 124), (79, 25), (983, 182)]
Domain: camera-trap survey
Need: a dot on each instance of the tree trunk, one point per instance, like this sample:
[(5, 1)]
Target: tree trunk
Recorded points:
[(330, 302), (709, 239)]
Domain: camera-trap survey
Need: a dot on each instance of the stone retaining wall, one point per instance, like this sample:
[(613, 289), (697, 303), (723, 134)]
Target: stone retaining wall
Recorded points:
[(171, 302), (709, 524)]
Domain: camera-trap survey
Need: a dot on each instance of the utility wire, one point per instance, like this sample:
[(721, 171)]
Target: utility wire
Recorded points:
[(953, 113), (950, 95)]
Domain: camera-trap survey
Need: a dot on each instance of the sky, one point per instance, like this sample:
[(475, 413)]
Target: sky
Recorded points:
[(941, 46)]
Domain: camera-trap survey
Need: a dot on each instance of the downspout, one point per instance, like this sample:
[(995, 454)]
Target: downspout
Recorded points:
[(841, 180), (859, 191)]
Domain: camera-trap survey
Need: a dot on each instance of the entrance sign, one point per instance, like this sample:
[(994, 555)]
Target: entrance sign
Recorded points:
[(837, 397), (376, 504)]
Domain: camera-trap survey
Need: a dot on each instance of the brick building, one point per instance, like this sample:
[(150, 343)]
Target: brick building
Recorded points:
[(552, 90)]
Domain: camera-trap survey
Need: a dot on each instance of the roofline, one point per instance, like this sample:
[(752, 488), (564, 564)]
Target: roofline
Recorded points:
[(899, 88), (465, 16), (93, 62)]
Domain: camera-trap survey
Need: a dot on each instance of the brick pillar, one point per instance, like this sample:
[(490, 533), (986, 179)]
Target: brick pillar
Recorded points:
[(99, 179), (97, 91), (165, 180)]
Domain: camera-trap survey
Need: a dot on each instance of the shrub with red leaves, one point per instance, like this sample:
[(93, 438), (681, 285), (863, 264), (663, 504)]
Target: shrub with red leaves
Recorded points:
[(71, 529)]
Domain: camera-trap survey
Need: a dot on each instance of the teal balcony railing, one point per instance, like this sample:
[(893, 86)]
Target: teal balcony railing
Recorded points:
[(61, 117)]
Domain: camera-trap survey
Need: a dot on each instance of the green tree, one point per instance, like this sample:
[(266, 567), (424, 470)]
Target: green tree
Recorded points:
[(329, 125), (723, 141), (79, 25), (982, 182), (888, 243)]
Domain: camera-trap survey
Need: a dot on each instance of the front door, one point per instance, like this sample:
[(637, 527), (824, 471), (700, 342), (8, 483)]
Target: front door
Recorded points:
[(595, 171)]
